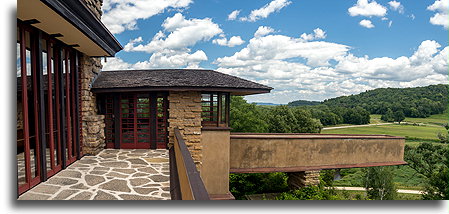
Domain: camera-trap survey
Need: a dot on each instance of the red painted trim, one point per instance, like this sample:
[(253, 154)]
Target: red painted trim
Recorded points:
[(34, 74), (73, 103), (160, 122), (26, 134), (50, 110), (310, 168), (67, 106), (58, 107)]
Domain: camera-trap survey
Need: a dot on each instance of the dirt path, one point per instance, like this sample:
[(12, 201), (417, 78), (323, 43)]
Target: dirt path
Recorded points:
[(399, 190), (342, 127)]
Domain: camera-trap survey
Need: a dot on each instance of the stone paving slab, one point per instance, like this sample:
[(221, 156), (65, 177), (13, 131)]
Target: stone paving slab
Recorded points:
[(113, 174)]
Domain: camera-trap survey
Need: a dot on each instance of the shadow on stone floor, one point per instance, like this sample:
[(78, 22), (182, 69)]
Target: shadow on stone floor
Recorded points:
[(113, 174)]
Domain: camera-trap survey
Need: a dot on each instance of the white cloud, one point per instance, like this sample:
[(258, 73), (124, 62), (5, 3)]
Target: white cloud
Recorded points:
[(233, 15), (366, 8), (262, 31), (170, 47), (279, 47), (289, 65), (165, 59), (396, 6), (265, 11), (317, 34), (441, 17), (183, 33), (390, 23), (121, 15), (233, 41), (366, 23)]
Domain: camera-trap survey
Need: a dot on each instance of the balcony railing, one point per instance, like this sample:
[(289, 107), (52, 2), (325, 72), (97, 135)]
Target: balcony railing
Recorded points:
[(185, 180)]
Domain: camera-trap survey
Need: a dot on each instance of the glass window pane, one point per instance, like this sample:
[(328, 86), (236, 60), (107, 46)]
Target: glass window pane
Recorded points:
[(20, 129)]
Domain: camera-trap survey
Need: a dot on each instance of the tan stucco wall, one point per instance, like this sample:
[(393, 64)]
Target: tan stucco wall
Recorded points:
[(285, 151), (185, 113), (215, 168)]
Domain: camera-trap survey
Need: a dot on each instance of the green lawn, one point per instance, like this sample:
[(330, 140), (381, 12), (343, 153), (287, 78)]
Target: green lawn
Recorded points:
[(361, 195), (437, 119), (407, 131), (375, 119)]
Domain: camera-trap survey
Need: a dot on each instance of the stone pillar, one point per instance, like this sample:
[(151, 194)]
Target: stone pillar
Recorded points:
[(92, 132), (298, 180), (92, 124), (185, 113)]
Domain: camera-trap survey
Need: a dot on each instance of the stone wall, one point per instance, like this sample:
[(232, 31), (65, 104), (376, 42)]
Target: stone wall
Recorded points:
[(92, 133), (95, 6), (185, 113), (298, 180)]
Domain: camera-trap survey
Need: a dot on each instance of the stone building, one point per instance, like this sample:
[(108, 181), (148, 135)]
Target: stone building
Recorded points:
[(68, 108), (59, 45)]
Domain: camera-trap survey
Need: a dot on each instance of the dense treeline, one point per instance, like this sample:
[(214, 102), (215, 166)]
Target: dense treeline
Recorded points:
[(247, 117), (412, 102), (393, 104), (303, 103), (333, 115)]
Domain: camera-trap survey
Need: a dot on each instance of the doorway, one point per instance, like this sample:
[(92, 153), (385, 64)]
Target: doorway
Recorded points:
[(136, 120)]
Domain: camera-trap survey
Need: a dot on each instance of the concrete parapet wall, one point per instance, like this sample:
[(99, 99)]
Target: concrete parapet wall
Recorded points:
[(306, 152), (215, 169)]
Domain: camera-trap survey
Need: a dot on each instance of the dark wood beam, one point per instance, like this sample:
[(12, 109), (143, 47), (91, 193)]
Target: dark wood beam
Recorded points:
[(117, 128), (41, 101), (31, 21)]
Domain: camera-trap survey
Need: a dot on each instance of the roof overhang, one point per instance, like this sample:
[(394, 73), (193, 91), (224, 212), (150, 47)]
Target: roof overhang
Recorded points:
[(233, 91), (74, 21)]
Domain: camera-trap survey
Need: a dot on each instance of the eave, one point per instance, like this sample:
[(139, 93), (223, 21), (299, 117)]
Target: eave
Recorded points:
[(74, 21), (233, 91)]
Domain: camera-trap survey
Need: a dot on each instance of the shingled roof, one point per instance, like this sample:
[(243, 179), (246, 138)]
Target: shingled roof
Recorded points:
[(175, 80)]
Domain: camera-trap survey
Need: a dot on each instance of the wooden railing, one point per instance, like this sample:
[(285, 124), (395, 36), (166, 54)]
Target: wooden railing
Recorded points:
[(185, 180)]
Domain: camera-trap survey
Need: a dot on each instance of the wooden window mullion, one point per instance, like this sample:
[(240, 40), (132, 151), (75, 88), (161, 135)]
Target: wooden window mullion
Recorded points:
[(219, 108), (50, 106), (35, 72), (26, 132), (67, 103)]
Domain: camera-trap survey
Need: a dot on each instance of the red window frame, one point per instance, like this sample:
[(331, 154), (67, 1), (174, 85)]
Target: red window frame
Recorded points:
[(44, 109), (215, 108)]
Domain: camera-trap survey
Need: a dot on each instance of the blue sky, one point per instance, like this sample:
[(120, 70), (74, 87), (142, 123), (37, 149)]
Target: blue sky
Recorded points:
[(306, 49)]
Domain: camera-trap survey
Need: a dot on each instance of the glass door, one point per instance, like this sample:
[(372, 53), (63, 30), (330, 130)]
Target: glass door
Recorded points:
[(135, 121)]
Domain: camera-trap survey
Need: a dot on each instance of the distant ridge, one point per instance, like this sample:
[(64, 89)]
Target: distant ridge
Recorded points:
[(267, 104), (304, 103)]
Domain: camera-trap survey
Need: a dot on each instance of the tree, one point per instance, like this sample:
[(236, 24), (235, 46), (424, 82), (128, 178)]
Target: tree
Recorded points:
[(432, 162), (388, 116), (378, 182), (246, 117), (305, 123), (281, 119), (356, 116), (399, 116)]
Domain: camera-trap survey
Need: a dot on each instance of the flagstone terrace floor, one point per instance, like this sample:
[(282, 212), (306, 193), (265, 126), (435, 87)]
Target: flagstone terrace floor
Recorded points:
[(113, 174)]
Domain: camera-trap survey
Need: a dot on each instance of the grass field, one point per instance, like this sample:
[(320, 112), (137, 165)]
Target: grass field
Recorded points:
[(437, 119), (408, 131), (375, 119), (361, 195)]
